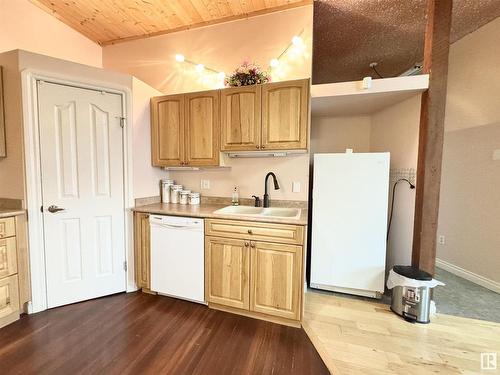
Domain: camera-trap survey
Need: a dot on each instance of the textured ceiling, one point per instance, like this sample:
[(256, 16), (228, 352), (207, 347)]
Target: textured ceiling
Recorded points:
[(350, 34)]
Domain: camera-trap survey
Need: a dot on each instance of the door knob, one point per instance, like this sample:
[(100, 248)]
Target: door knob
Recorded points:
[(55, 209)]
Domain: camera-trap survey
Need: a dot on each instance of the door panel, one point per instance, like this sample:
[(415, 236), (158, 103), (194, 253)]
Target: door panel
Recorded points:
[(202, 128), (227, 270), (167, 130), (276, 277), (241, 118), (285, 115), (82, 152)]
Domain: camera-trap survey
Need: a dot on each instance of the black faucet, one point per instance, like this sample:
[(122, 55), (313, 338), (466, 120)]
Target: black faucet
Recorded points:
[(276, 187)]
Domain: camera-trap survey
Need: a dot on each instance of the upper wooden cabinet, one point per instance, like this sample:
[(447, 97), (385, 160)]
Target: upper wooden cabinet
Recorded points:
[(191, 129), (167, 130), (241, 118), (285, 115), (202, 126), (273, 116), (185, 129)]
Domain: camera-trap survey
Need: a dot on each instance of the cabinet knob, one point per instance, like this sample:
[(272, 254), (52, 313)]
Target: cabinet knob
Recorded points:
[(257, 146), (250, 231), (252, 244), (246, 244), (262, 146)]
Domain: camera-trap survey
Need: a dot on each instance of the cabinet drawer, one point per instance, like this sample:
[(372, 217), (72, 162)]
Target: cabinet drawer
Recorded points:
[(7, 227), (281, 233), (8, 259), (9, 300)]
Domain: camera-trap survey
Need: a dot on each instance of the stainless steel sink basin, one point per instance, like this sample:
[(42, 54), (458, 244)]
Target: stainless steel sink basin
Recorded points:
[(292, 213)]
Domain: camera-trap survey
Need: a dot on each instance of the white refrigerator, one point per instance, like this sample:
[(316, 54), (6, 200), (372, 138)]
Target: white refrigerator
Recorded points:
[(349, 222)]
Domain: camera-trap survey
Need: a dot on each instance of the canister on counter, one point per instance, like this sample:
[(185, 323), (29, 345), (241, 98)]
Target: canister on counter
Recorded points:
[(166, 186), (184, 196), (175, 193), (194, 198)]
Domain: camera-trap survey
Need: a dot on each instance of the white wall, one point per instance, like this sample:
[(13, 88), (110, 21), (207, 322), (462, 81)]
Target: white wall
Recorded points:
[(470, 195), (25, 26), (335, 134), (146, 177), (223, 47), (395, 129)]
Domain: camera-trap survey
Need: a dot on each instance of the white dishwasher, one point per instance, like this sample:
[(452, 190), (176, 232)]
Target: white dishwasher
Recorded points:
[(177, 257)]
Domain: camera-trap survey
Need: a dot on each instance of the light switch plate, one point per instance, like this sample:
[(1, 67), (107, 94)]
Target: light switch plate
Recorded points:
[(442, 240), (295, 187), (205, 184)]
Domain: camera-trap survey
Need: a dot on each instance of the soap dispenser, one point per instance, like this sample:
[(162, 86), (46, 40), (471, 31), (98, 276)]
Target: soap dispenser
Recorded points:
[(235, 198)]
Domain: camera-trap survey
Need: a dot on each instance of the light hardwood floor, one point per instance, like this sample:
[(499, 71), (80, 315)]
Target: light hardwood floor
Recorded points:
[(364, 337)]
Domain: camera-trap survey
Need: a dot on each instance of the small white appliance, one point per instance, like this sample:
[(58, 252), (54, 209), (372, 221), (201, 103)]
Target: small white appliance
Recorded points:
[(177, 257), (349, 222)]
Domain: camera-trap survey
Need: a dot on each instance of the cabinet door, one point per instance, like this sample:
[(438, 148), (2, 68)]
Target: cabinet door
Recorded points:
[(8, 259), (285, 115), (142, 250), (276, 279), (167, 130), (226, 272), (202, 128), (241, 118), (9, 300)]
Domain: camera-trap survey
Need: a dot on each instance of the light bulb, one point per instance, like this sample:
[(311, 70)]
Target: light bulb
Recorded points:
[(274, 63), (199, 68), (179, 57), (297, 40), (221, 75)]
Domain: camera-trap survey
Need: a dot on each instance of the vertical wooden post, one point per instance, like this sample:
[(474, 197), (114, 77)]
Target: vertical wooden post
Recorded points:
[(430, 148)]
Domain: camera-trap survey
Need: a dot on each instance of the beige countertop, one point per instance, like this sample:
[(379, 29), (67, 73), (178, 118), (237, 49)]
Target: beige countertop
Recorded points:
[(207, 211), (7, 212)]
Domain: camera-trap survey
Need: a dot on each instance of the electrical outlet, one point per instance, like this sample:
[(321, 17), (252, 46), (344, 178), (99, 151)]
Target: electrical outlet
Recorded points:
[(295, 187), (205, 184), (441, 240)]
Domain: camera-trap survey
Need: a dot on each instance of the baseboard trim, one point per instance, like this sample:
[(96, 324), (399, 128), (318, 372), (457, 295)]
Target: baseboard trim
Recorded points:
[(468, 275)]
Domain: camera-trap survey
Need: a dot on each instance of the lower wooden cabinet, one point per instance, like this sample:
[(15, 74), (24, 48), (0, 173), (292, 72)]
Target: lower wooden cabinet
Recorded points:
[(142, 250), (227, 272), (276, 279), (15, 289), (9, 300), (258, 278)]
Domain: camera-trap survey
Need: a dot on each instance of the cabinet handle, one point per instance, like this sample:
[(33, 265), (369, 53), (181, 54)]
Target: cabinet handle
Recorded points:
[(246, 244), (250, 231)]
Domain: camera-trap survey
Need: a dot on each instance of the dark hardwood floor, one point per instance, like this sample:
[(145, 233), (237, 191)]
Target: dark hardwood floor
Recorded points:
[(137, 333)]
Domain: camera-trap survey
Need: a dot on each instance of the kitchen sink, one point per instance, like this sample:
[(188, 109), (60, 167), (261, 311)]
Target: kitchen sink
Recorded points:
[(292, 213)]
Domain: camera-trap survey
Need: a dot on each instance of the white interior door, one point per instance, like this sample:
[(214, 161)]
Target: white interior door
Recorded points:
[(82, 174)]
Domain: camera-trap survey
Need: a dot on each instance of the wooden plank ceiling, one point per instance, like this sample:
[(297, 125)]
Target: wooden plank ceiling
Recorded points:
[(112, 21)]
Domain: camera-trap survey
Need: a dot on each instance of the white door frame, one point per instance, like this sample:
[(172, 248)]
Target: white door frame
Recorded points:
[(33, 184)]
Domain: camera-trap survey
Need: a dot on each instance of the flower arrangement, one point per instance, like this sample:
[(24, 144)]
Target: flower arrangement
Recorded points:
[(247, 74)]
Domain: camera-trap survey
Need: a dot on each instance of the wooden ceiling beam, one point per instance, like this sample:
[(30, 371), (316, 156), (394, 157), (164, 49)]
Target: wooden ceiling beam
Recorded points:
[(431, 134)]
